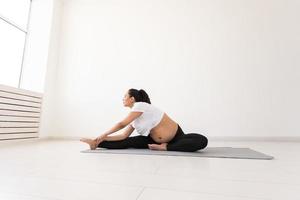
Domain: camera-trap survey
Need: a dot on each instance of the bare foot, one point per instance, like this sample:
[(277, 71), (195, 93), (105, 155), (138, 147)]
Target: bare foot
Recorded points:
[(92, 143), (161, 147)]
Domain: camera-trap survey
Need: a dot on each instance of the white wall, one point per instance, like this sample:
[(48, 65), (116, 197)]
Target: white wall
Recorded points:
[(221, 68), (47, 125)]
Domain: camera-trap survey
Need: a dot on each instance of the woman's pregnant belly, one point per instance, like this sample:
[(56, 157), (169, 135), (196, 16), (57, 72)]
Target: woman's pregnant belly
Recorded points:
[(165, 130)]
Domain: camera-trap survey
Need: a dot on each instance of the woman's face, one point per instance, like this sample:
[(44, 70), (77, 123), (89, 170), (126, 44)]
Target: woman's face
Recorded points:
[(127, 100)]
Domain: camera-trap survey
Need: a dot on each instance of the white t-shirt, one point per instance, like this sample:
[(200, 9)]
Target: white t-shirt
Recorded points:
[(150, 118)]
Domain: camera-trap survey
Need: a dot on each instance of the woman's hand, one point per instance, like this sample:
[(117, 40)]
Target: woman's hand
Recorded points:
[(100, 139)]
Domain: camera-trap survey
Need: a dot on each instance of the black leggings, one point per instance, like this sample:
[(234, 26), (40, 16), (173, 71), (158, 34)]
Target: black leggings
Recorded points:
[(181, 142)]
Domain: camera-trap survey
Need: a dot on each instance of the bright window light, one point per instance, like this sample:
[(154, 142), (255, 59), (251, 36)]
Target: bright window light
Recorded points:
[(16, 11), (11, 52)]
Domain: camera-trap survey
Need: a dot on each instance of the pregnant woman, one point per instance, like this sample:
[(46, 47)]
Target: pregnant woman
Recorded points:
[(156, 130)]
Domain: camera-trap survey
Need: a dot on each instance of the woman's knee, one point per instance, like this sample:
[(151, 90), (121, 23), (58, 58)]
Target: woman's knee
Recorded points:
[(203, 141), (200, 140)]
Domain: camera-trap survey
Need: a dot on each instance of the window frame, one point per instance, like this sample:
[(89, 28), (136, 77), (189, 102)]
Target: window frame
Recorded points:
[(11, 23)]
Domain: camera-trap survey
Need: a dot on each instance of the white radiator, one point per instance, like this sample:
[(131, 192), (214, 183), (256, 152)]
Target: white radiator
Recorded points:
[(20, 112)]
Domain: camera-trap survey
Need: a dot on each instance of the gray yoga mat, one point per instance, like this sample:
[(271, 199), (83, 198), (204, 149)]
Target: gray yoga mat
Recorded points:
[(213, 152)]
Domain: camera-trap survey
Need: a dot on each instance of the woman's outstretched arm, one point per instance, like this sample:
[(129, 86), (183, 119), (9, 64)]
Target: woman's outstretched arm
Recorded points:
[(115, 128), (120, 125), (121, 136)]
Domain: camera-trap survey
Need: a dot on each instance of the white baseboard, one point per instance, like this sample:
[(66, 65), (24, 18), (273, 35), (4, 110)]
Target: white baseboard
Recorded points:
[(252, 138), (212, 138), (61, 138)]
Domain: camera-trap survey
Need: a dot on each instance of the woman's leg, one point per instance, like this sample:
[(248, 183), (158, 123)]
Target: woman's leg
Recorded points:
[(138, 142), (188, 142)]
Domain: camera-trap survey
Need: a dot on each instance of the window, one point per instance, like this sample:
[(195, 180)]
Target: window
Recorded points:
[(13, 30)]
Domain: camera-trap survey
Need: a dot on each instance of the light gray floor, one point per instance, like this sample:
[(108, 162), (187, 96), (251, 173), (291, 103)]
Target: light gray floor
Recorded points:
[(55, 169)]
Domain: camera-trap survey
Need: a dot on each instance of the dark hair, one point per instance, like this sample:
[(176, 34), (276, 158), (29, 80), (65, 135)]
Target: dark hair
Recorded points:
[(139, 95)]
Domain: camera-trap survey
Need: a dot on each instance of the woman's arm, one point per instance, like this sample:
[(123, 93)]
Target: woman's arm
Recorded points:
[(122, 136), (119, 137), (115, 128), (131, 116), (103, 136), (115, 137)]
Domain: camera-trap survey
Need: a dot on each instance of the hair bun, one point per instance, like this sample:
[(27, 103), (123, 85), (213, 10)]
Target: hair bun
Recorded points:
[(139, 95)]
